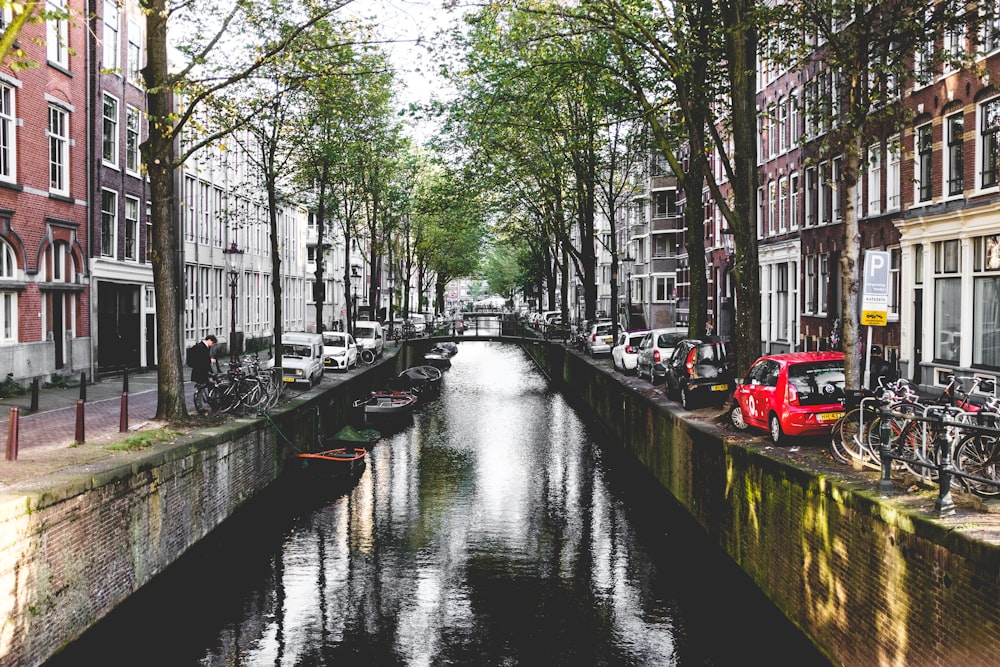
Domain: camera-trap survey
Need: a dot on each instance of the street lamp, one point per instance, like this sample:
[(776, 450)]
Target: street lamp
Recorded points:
[(354, 302), (627, 260), (233, 255), (391, 281)]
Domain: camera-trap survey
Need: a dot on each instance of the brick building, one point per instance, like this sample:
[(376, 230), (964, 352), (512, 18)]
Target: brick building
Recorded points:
[(44, 244)]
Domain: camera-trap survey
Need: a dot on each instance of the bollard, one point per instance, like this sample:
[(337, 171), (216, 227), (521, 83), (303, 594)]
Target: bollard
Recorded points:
[(125, 382), (945, 504), (885, 434), (12, 429), (80, 439), (123, 418), (34, 395), (83, 386)]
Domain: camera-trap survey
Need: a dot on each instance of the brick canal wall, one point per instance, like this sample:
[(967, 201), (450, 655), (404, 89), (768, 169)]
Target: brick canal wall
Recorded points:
[(872, 581), (77, 543)]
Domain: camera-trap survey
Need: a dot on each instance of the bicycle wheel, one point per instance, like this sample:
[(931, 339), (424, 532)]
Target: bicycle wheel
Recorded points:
[(846, 441), (979, 455), (368, 357)]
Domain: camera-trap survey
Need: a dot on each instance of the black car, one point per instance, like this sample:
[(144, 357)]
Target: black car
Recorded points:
[(700, 372)]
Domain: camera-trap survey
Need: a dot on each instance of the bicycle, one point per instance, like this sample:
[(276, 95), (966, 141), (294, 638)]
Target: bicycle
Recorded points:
[(366, 356), (856, 435)]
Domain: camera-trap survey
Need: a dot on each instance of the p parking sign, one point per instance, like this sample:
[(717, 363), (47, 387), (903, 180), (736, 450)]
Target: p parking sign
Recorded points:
[(875, 289)]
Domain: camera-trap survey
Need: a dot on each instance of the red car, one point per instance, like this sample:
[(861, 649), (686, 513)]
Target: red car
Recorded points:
[(792, 394)]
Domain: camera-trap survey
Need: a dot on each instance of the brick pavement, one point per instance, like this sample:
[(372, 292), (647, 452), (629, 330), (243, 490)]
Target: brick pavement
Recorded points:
[(46, 439)]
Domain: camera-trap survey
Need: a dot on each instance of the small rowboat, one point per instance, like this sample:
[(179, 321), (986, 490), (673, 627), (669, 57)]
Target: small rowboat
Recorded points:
[(387, 403), (420, 380), (341, 463)]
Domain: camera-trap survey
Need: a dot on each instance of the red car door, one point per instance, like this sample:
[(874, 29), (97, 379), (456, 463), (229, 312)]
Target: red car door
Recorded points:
[(756, 395)]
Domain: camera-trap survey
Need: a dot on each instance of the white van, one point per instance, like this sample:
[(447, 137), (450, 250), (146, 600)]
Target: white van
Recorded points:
[(369, 336), (302, 357)]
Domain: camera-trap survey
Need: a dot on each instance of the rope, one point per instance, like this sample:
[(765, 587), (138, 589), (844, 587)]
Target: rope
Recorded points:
[(271, 422)]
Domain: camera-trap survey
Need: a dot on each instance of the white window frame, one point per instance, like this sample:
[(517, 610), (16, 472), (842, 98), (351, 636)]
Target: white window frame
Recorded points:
[(953, 155), (131, 229), (874, 180), (57, 34), (109, 130), (112, 35), (793, 200), (8, 132), (8, 297), (135, 50), (893, 178), (109, 223), (988, 138), (133, 138), (58, 136)]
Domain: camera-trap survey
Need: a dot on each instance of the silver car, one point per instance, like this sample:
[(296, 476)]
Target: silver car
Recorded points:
[(625, 355), (655, 350), (600, 338)]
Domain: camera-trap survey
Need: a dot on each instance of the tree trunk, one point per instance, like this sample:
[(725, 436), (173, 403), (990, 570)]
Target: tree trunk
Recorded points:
[(741, 49), (158, 153), (850, 267)]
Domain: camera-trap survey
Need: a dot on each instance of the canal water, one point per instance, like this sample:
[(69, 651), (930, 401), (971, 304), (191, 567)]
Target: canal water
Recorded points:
[(497, 528)]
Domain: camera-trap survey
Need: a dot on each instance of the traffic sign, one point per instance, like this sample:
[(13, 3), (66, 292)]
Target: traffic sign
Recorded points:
[(875, 289)]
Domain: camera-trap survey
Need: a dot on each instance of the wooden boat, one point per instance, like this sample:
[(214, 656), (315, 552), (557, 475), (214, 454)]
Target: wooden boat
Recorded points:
[(440, 355), (420, 380), (387, 403), (337, 464)]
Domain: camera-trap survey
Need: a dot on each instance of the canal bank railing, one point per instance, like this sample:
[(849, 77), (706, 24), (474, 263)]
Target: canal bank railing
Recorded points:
[(939, 443)]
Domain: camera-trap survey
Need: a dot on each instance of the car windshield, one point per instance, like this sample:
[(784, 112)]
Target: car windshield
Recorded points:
[(818, 381), (334, 340), (365, 332), (603, 329), (297, 350)]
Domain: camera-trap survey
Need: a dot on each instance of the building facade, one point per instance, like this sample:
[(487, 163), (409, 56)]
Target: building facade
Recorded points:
[(45, 326)]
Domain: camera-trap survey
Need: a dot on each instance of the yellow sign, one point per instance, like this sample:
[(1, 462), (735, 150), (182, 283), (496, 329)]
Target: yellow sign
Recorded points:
[(873, 318)]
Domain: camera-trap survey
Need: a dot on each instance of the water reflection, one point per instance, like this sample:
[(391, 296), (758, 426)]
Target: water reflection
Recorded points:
[(491, 532)]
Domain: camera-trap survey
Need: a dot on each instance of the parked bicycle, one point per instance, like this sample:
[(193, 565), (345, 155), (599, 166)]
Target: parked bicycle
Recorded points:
[(245, 388)]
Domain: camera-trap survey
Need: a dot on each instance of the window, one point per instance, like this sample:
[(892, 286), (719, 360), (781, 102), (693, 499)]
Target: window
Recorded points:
[(8, 134), (822, 284), (783, 124), (990, 143), (132, 140), (793, 119), (109, 144), (923, 61), (782, 205), (874, 180), (664, 204), (925, 153), (8, 297), (895, 286), (989, 27), (947, 301), (57, 33), (111, 44), (892, 178), (772, 203), (132, 228), (954, 160), (109, 222), (58, 150), (812, 197), (809, 298), (986, 301), (135, 52), (793, 201)]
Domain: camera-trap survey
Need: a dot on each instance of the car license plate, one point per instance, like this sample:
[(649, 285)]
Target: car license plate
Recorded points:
[(608, 339), (289, 379), (829, 416), (720, 387)]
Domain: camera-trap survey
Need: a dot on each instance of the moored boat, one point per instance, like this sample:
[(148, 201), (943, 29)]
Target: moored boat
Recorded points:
[(337, 464), (387, 403), (420, 380)]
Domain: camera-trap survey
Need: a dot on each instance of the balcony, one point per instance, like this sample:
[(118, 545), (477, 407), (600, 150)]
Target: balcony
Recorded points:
[(667, 223)]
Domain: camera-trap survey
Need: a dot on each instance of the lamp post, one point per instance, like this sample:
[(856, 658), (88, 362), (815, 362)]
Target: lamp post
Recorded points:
[(354, 301), (392, 297), (628, 260), (233, 254)]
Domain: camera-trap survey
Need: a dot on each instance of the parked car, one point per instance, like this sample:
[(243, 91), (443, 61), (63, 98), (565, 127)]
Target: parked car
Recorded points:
[(419, 323), (339, 351), (302, 357), (699, 372), (625, 354), (600, 338), (792, 394), (368, 334), (654, 350)]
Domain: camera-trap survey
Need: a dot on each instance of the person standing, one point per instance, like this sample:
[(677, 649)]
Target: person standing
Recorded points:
[(201, 373)]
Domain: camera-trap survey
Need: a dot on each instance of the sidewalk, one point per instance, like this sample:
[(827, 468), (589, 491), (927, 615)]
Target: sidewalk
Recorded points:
[(46, 439)]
